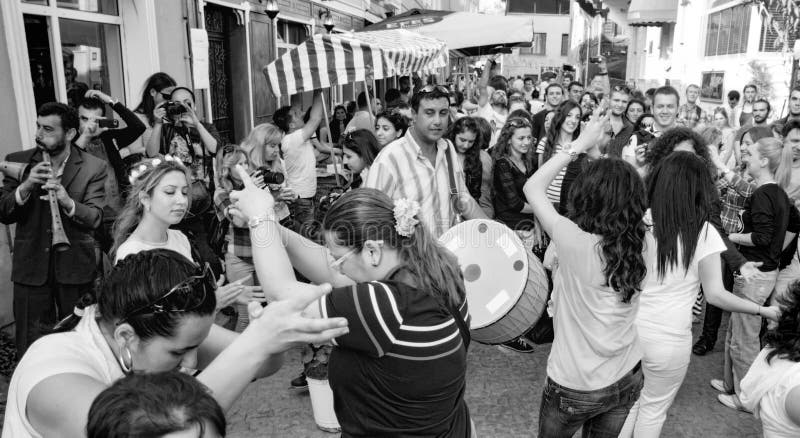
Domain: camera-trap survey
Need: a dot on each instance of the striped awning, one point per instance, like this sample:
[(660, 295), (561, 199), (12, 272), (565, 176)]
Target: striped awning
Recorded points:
[(338, 59)]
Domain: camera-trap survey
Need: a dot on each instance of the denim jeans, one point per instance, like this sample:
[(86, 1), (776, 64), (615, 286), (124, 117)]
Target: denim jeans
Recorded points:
[(303, 213), (601, 412), (236, 269), (742, 342)]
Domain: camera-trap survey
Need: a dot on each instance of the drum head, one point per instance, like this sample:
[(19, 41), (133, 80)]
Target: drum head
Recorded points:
[(495, 267)]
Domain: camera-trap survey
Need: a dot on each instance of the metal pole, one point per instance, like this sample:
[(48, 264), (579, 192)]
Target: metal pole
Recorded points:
[(333, 152)]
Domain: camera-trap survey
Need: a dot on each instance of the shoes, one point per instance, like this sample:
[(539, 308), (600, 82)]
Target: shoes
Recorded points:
[(702, 346), (300, 383), (518, 345), (719, 385), (732, 401)]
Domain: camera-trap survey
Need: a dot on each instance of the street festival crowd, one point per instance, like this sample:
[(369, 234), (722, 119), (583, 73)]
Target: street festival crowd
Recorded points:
[(193, 265)]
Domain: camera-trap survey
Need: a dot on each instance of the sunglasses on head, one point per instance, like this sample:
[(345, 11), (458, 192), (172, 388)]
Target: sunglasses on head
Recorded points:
[(432, 88), (185, 296), (518, 123)]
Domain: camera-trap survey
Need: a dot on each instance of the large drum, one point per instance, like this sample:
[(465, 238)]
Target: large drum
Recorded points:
[(506, 284)]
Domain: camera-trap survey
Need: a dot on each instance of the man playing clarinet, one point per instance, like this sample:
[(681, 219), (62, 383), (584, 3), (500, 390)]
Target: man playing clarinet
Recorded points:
[(47, 282)]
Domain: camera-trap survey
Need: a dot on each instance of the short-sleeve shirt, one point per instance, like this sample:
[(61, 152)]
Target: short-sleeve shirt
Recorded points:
[(301, 164), (82, 351), (495, 119), (176, 241), (402, 171), (401, 369), (666, 303), (595, 335), (764, 391)]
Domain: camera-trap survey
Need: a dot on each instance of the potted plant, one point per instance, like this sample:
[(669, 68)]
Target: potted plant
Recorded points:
[(315, 362)]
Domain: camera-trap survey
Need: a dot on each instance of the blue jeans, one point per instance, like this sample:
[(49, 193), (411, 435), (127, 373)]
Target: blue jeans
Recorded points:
[(601, 412)]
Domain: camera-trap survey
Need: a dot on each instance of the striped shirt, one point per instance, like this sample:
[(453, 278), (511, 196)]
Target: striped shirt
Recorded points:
[(402, 171), (554, 189), (401, 369)]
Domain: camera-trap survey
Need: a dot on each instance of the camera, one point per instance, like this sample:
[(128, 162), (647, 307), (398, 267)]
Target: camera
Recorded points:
[(107, 123), (174, 109), (269, 176), (595, 59), (568, 67)]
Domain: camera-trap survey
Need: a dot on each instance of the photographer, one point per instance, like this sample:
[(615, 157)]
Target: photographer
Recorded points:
[(179, 132), (100, 137)]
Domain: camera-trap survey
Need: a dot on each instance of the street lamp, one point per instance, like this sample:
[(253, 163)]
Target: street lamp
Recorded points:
[(272, 9), (328, 23)]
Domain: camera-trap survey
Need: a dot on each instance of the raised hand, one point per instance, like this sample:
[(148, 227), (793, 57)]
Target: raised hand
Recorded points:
[(251, 201), (282, 325)]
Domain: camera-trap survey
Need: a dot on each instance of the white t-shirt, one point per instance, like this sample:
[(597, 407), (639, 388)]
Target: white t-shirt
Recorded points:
[(595, 336), (82, 351), (665, 305), (764, 391), (495, 119), (176, 241), (301, 164)]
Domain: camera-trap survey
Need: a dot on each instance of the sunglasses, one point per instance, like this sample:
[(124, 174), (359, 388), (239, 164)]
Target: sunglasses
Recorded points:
[(186, 296), (432, 88), (518, 123)]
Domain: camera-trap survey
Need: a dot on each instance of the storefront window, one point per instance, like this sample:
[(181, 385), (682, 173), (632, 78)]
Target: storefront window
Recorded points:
[(36, 2), (92, 58), (36, 36), (99, 6)]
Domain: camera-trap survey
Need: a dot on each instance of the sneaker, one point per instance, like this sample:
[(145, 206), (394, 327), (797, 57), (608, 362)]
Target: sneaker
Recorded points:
[(518, 345), (300, 383), (702, 346), (719, 385), (732, 401)]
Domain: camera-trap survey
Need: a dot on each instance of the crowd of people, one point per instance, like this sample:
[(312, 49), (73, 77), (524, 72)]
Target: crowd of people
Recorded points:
[(193, 264)]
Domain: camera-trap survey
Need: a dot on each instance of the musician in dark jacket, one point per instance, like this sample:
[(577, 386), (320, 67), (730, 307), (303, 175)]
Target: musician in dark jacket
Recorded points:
[(47, 283)]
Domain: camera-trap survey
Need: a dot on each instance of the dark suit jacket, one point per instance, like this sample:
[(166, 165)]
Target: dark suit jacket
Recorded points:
[(83, 178)]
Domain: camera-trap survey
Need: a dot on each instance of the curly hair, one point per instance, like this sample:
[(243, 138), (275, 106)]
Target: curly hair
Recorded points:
[(665, 145), (559, 117), (785, 338), (608, 199), (473, 169), (501, 148)]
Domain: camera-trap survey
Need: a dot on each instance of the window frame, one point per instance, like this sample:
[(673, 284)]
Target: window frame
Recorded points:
[(733, 26), (530, 50)]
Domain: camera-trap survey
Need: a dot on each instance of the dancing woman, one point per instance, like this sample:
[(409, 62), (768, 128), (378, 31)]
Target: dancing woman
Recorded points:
[(680, 194), (594, 371), (154, 313), (404, 298)]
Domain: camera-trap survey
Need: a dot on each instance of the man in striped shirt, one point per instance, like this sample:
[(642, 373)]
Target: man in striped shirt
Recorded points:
[(415, 166)]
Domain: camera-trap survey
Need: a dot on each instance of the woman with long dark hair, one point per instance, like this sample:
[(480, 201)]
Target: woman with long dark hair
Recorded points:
[(156, 91), (360, 147), (680, 194), (389, 274), (767, 219), (771, 387), (565, 128), (154, 313), (338, 123), (594, 371), (513, 164), (464, 134), (634, 110)]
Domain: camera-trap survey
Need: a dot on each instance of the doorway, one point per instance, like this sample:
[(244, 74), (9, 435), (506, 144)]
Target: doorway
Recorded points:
[(218, 26)]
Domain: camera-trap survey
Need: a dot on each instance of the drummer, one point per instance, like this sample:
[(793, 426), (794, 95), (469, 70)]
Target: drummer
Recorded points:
[(405, 301), (594, 371)]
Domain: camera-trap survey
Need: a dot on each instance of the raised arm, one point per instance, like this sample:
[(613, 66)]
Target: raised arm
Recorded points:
[(315, 118)]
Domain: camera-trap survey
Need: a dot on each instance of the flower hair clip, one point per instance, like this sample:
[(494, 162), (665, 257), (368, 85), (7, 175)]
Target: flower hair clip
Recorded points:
[(150, 164), (404, 212)]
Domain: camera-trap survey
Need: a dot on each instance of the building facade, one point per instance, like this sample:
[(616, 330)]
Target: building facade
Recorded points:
[(552, 38)]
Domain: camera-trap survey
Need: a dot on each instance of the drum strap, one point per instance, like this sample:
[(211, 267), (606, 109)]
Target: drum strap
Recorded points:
[(462, 326), (451, 173)]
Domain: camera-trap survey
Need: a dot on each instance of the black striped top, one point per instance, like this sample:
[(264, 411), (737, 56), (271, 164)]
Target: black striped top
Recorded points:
[(401, 369)]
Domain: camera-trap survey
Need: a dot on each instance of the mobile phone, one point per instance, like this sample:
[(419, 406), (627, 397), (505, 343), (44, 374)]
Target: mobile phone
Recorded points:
[(107, 123)]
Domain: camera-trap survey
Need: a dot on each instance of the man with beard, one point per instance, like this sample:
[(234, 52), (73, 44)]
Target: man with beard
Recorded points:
[(761, 110), (416, 166), (794, 108), (575, 90), (48, 283)]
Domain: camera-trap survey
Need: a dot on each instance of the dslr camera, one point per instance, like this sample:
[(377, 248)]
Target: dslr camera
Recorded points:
[(269, 176), (174, 109)]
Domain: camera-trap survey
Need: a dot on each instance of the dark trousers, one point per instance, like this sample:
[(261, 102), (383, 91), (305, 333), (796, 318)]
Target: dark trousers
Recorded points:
[(303, 211), (38, 308), (713, 318), (601, 412)]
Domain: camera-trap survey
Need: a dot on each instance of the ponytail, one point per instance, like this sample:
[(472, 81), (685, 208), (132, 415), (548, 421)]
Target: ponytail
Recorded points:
[(783, 174), (779, 159), (436, 268), (71, 321)]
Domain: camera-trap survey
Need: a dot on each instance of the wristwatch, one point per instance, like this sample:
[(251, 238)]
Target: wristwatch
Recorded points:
[(567, 149), (256, 221)]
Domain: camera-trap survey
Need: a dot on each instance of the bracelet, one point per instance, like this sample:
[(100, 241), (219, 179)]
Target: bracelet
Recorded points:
[(255, 222)]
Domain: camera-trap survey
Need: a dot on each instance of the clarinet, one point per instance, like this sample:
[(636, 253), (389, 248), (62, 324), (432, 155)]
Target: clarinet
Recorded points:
[(60, 242)]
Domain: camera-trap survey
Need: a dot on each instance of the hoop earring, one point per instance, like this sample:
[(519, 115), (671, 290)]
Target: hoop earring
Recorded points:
[(126, 368)]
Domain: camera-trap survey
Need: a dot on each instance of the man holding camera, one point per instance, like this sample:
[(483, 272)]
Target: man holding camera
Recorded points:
[(102, 138)]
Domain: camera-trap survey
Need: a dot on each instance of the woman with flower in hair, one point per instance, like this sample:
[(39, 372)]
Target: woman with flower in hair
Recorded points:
[(403, 296), (159, 198)]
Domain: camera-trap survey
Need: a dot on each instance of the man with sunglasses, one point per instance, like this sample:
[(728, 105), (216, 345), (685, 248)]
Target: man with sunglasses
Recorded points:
[(417, 166)]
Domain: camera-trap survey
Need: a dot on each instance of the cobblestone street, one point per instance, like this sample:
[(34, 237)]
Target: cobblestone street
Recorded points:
[(503, 392)]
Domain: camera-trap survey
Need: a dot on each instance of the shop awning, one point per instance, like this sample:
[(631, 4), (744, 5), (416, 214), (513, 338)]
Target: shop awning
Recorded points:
[(338, 59), (652, 12), (465, 33)]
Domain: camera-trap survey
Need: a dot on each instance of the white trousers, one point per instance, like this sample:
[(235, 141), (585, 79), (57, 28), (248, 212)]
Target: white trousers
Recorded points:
[(665, 361)]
